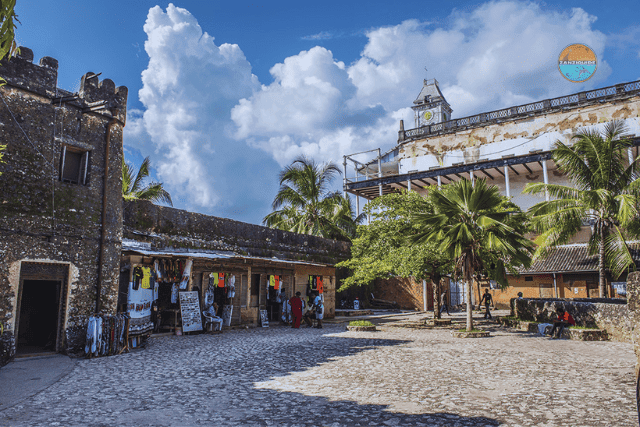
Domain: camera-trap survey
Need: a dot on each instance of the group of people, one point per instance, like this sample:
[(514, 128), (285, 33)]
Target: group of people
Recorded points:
[(487, 299), (308, 312)]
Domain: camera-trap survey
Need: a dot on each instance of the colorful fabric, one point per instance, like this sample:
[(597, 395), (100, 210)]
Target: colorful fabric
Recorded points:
[(276, 282), (221, 280), (145, 283), (319, 284), (272, 281)]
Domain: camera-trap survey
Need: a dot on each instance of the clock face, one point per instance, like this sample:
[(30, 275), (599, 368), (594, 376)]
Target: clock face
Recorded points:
[(428, 116)]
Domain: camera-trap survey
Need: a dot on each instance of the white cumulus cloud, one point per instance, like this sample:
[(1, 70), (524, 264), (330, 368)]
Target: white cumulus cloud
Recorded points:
[(218, 136)]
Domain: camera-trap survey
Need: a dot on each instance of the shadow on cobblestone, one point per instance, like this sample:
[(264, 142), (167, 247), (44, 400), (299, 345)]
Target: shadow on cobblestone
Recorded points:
[(222, 380)]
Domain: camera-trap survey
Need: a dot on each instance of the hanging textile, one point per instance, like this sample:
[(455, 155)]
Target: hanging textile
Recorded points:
[(276, 282), (186, 274), (174, 293), (145, 282), (319, 284), (221, 280), (232, 287), (272, 281)]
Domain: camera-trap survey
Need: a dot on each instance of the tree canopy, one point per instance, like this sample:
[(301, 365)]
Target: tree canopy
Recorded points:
[(380, 249), (603, 193), (306, 204), (471, 224), (133, 186)]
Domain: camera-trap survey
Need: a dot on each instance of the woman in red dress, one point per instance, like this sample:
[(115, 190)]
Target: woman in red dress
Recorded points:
[(296, 309)]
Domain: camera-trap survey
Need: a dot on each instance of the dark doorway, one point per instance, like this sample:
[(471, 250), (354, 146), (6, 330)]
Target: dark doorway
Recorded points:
[(39, 312)]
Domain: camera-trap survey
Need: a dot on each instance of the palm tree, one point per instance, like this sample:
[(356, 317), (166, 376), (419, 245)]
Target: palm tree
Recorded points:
[(305, 204), (132, 185), (470, 225), (603, 194)]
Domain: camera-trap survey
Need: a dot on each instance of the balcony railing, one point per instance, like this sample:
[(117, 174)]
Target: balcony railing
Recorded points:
[(547, 105)]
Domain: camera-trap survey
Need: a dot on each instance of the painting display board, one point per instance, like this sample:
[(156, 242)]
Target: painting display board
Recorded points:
[(264, 318), (190, 312)]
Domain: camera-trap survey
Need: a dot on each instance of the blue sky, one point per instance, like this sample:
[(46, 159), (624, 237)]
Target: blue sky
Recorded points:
[(222, 95)]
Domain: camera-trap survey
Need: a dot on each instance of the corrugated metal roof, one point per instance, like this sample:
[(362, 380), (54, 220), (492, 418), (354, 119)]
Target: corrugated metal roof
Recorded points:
[(572, 259), (145, 249)]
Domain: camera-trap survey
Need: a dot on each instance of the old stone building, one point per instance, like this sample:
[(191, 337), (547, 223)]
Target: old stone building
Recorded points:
[(509, 148), (67, 252), (60, 209)]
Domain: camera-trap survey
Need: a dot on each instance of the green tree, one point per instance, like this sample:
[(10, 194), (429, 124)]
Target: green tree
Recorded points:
[(470, 225), (134, 188), (380, 249), (8, 45), (604, 193), (305, 204)]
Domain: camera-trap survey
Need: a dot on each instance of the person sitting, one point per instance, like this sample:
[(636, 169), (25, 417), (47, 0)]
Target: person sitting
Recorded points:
[(211, 318), (564, 319)]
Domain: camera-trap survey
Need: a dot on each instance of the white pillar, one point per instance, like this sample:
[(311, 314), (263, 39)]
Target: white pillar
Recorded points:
[(344, 180), (379, 171), (424, 295), (473, 179), (439, 181), (545, 175), (357, 205), (506, 181), (630, 154), (409, 184)]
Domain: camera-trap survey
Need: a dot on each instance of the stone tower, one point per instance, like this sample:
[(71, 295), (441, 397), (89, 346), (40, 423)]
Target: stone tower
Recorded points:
[(430, 107)]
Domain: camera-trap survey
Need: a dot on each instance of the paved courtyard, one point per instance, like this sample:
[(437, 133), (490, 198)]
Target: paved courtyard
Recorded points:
[(309, 377)]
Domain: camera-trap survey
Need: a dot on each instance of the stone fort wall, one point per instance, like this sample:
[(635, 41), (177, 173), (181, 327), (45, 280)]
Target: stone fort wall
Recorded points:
[(49, 226)]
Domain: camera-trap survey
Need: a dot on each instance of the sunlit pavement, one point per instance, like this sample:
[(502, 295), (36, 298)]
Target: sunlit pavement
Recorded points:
[(401, 376)]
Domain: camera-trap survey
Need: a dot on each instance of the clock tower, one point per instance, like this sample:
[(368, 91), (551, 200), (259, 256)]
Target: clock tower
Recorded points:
[(430, 107)]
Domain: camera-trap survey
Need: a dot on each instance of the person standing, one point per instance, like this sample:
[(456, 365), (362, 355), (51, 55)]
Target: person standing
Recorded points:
[(296, 310), (319, 306), (443, 303), (488, 300)]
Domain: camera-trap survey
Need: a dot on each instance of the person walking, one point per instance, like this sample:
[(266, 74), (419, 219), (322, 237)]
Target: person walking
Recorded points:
[(296, 310), (443, 303), (488, 300)]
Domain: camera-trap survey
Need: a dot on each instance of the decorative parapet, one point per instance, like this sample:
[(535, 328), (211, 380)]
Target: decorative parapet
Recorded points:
[(94, 95), (546, 106)]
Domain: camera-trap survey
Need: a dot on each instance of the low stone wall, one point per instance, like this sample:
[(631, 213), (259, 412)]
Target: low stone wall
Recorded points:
[(612, 315)]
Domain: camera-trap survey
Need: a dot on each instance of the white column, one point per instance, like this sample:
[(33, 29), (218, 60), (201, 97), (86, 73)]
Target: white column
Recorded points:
[(357, 205), (630, 154), (473, 179), (424, 295), (439, 181), (506, 181), (545, 175), (379, 171), (409, 184)]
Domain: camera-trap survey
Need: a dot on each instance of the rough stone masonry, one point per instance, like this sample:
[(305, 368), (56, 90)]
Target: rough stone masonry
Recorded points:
[(60, 193)]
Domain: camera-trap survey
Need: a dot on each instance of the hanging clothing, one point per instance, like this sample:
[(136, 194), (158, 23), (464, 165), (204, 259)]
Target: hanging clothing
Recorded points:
[(145, 282), (186, 275), (231, 289), (319, 284), (272, 281), (174, 293), (137, 277), (221, 280)]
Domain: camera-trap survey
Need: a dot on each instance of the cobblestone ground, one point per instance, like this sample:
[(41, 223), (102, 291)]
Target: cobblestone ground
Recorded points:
[(309, 377)]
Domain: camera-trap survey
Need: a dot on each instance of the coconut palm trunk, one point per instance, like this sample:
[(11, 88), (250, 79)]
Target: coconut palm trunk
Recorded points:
[(468, 284), (435, 281), (601, 272)]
